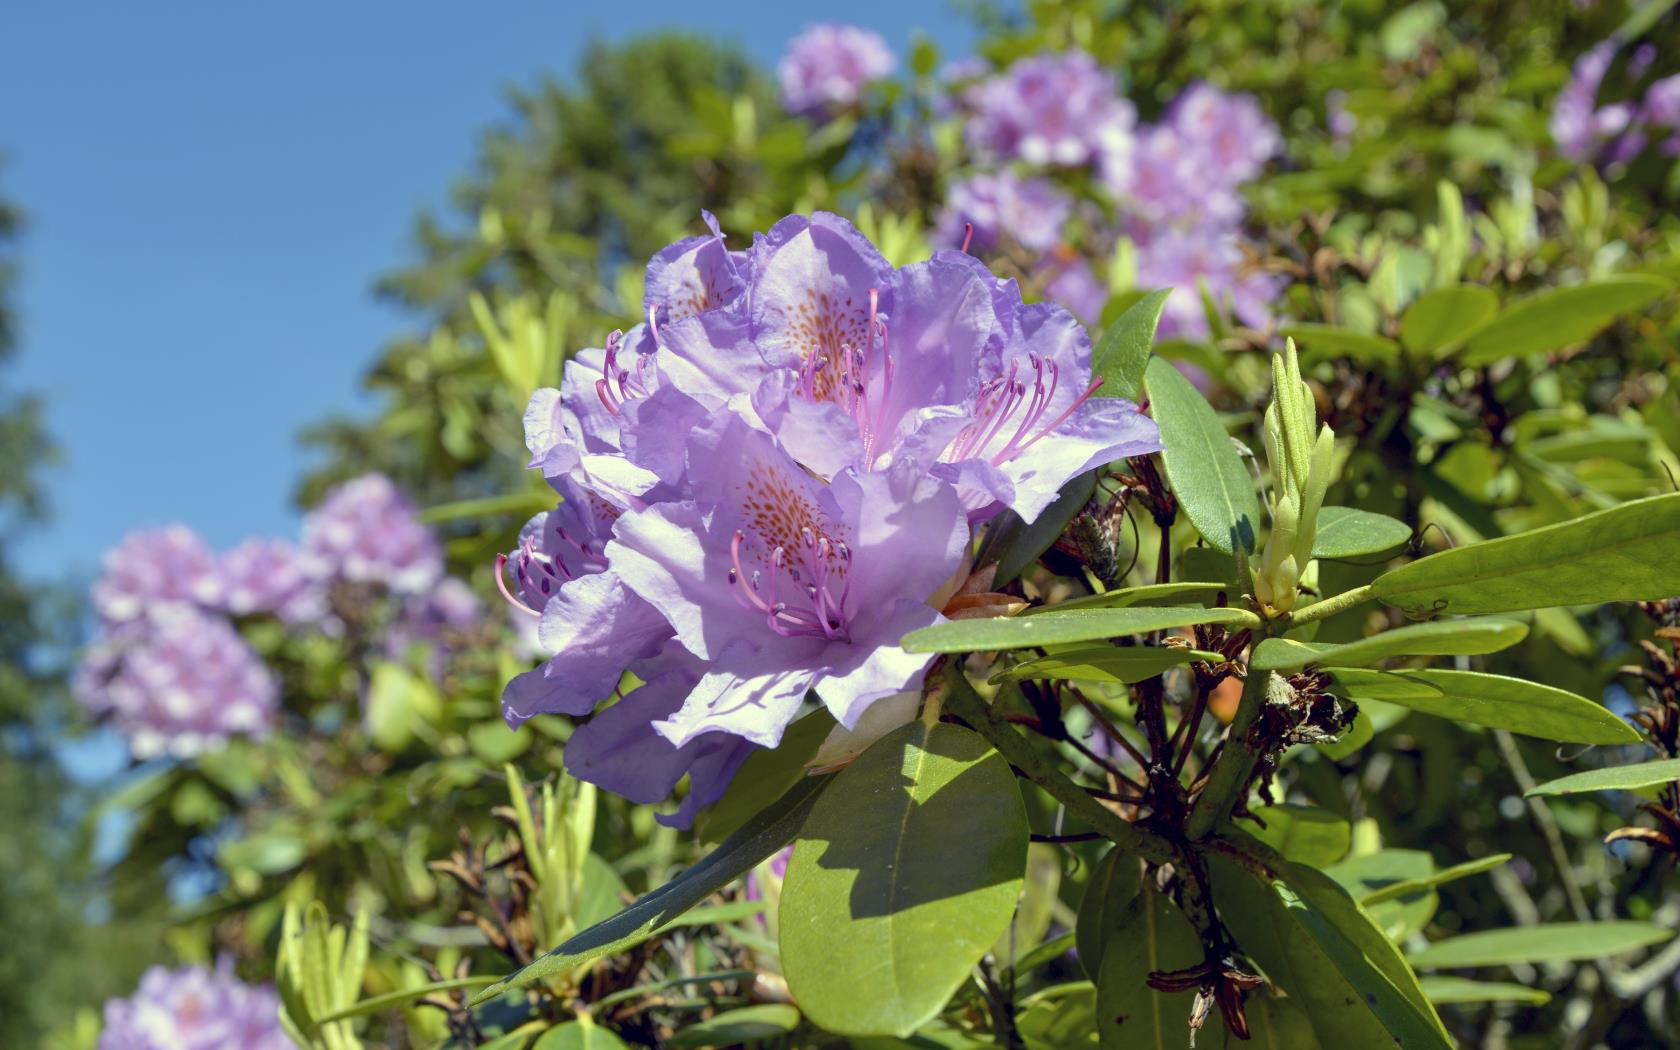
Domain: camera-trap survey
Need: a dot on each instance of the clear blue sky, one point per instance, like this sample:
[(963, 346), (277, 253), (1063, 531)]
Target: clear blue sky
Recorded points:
[(212, 189)]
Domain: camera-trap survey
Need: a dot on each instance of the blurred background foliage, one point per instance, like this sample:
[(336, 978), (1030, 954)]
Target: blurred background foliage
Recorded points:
[(1417, 156)]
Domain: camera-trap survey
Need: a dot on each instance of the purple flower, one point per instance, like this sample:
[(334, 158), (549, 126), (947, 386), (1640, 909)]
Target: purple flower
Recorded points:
[(179, 682), (1228, 131), (267, 576), (784, 585), (366, 531), (827, 66), (1031, 212), (1341, 121), (1059, 109), (1076, 286), (1662, 102), (194, 1008), (153, 567), (1577, 125), (436, 619)]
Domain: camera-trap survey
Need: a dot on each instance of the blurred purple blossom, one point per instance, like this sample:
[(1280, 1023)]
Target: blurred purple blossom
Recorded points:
[(436, 619), (1662, 102), (270, 576), (153, 567), (827, 67), (1029, 211), (366, 531), (194, 1008), (1052, 109)]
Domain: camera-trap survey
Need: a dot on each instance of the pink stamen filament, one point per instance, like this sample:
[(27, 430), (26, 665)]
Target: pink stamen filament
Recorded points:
[(501, 585), (997, 405), (825, 618)]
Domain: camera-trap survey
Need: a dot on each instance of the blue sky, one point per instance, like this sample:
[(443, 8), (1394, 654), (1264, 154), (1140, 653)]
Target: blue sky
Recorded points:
[(212, 189)]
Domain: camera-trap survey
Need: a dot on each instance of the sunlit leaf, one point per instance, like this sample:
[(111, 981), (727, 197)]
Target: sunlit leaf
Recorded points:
[(1208, 477), (1613, 778), (1058, 628), (1547, 942), (1469, 637), (1561, 317)]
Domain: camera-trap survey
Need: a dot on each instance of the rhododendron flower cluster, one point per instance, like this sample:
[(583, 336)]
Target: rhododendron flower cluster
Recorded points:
[(194, 1008), (1615, 132), (170, 669), (827, 67), (772, 480), (1176, 185)]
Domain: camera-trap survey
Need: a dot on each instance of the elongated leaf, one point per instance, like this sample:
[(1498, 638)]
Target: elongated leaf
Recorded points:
[(767, 773), (1621, 554), (1347, 532), (1014, 544), (1470, 637), (578, 1035), (1462, 990), (758, 838), (1561, 317), (1408, 887), (734, 1027), (1369, 873), (1321, 957), (1061, 1017), (1153, 935), (1113, 887), (1358, 683), (905, 874), (1520, 706), (1548, 942), (1320, 342), (1148, 594), (1058, 628), (1122, 354), (1277, 1023), (1206, 472), (1104, 663), (1445, 317), (1615, 778), (1306, 834)]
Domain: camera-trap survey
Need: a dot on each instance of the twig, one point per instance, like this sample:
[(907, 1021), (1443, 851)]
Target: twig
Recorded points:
[(1543, 820), (1230, 769)]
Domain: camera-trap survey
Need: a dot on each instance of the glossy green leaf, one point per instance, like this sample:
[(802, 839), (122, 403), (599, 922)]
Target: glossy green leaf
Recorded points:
[(1561, 317), (1113, 886), (1058, 628), (1520, 706), (1548, 942), (1463, 990), (1347, 532), (578, 1035), (1148, 594), (1621, 554), (1470, 637), (1306, 834), (1153, 935), (1370, 873), (1614, 778), (1324, 952), (1446, 317), (1061, 1017), (1320, 342), (1363, 683), (1276, 1023), (768, 773), (735, 1027), (921, 842), (1104, 663), (758, 838), (1208, 477), (1122, 354)]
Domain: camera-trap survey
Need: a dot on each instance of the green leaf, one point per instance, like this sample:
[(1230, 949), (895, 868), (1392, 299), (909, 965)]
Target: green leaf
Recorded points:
[(1469, 637), (758, 838), (1615, 778), (1520, 706), (1058, 628), (1388, 686), (1347, 532), (1445, 317), (1370, 873), (1548, 942), (1562, 317), (734, 1027), (1621, 554), (1104, 663), (1324, 952), (1122, 354), (768, 772), (921, 842), (1409, 887), (1061, 1017), (1306, 834), (1207, 474), (578, 1035), (1463, 990), (1148, 594), (1277, 1023), (1113, 886), (1014, 545), (1153, 935), (1320, 342)]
